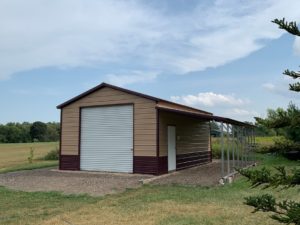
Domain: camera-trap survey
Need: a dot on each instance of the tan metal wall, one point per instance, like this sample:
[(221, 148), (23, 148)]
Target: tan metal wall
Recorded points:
[(144, 120), (192, 134)]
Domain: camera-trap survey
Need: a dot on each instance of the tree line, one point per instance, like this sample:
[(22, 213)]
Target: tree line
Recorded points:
[(285, 122), (29, 132)]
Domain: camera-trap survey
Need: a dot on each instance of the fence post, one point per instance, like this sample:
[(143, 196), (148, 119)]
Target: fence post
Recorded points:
[(228, 149), (222, 149), (233, 147)]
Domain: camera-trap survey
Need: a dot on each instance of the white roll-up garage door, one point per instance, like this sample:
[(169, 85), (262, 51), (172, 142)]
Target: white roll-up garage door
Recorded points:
[(107, 138)]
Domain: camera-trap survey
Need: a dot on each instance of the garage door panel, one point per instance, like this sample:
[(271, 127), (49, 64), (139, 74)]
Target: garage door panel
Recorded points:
[(107, 138)]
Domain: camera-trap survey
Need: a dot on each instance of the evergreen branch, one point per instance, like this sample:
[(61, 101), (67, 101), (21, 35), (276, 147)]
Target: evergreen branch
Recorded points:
[(284, 212), (295, 87), (264, 177), (290, 27), (292, 74)]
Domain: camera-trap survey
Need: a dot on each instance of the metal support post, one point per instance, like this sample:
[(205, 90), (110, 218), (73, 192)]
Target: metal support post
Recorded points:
[(222, 149)]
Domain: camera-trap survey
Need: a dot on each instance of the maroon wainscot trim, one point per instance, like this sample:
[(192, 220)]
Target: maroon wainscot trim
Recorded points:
[(192, 159), (69, 162), (150, 165)]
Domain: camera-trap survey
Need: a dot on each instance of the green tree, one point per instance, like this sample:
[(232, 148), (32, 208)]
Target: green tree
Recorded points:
[(38, 131), (21, 132), (53, 131), (284, 122), (292, 28)]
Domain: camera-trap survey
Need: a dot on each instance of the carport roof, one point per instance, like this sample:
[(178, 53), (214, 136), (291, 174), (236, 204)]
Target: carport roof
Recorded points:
[(206, 117)]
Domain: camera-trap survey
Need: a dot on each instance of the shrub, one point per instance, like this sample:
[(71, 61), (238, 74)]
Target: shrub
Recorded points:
[(216, 148), (283, 146), (52, 155), (31, 155)]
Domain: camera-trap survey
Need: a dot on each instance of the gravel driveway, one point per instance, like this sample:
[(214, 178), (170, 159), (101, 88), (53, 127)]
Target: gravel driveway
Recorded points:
[(92, 183), (204, 175)]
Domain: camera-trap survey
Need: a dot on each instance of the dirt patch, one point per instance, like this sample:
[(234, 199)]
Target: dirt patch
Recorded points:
[(95, 184), (204, 175)]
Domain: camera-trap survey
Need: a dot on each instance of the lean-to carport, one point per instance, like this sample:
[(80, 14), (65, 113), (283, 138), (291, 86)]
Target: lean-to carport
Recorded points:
[(237, 142)]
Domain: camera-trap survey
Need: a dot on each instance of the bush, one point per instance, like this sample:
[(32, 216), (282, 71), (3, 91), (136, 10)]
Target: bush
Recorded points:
[(52, 155), (216, 147), (285, 147), (31, 155)]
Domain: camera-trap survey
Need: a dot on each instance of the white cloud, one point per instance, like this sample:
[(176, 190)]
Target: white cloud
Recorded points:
[(269, 86), (281, 88), (131, 78), (296, 46), (73, 33), (241, 112), (226, 105), (32, 92), (209, 99)]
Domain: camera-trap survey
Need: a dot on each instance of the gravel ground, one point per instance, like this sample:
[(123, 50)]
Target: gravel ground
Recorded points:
[(99, 184), (92, 183), (204, 175)]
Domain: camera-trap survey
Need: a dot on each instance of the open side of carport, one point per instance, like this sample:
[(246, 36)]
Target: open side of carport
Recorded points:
[(236, 141), (183, 140)]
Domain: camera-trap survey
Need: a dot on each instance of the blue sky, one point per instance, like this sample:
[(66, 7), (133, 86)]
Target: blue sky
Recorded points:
[(222, 56)]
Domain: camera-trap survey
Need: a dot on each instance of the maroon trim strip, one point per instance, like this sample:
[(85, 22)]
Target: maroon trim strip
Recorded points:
[(193, 164), (79, 137), (210, 142), (70, 162), (133, 134), (145, 164), (192, 159), (150, 165), (157, 140), (60, 138)]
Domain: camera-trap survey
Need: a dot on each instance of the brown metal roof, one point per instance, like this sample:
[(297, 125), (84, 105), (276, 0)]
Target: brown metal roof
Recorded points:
[(200, 113), (206, 117), (102, 85)]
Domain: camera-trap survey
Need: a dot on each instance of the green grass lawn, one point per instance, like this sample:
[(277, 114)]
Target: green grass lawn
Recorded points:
[(14, 156), (160, 205)]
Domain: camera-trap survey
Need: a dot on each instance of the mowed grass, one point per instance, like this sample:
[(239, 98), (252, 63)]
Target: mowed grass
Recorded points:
[(17, 207), (15, 156), (151, 205)]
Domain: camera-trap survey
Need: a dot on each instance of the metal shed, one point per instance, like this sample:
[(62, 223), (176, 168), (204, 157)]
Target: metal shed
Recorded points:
[(109, 128)]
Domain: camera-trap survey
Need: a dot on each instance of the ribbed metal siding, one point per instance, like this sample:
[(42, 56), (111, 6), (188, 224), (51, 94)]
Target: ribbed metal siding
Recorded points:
[(107, 139)]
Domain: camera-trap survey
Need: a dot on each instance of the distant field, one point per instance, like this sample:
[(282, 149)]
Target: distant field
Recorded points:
[(14, 156), (260, 141), (266, 141)]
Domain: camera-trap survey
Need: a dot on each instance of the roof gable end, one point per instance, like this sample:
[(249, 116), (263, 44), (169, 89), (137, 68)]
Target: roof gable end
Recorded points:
[(100, 86)]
